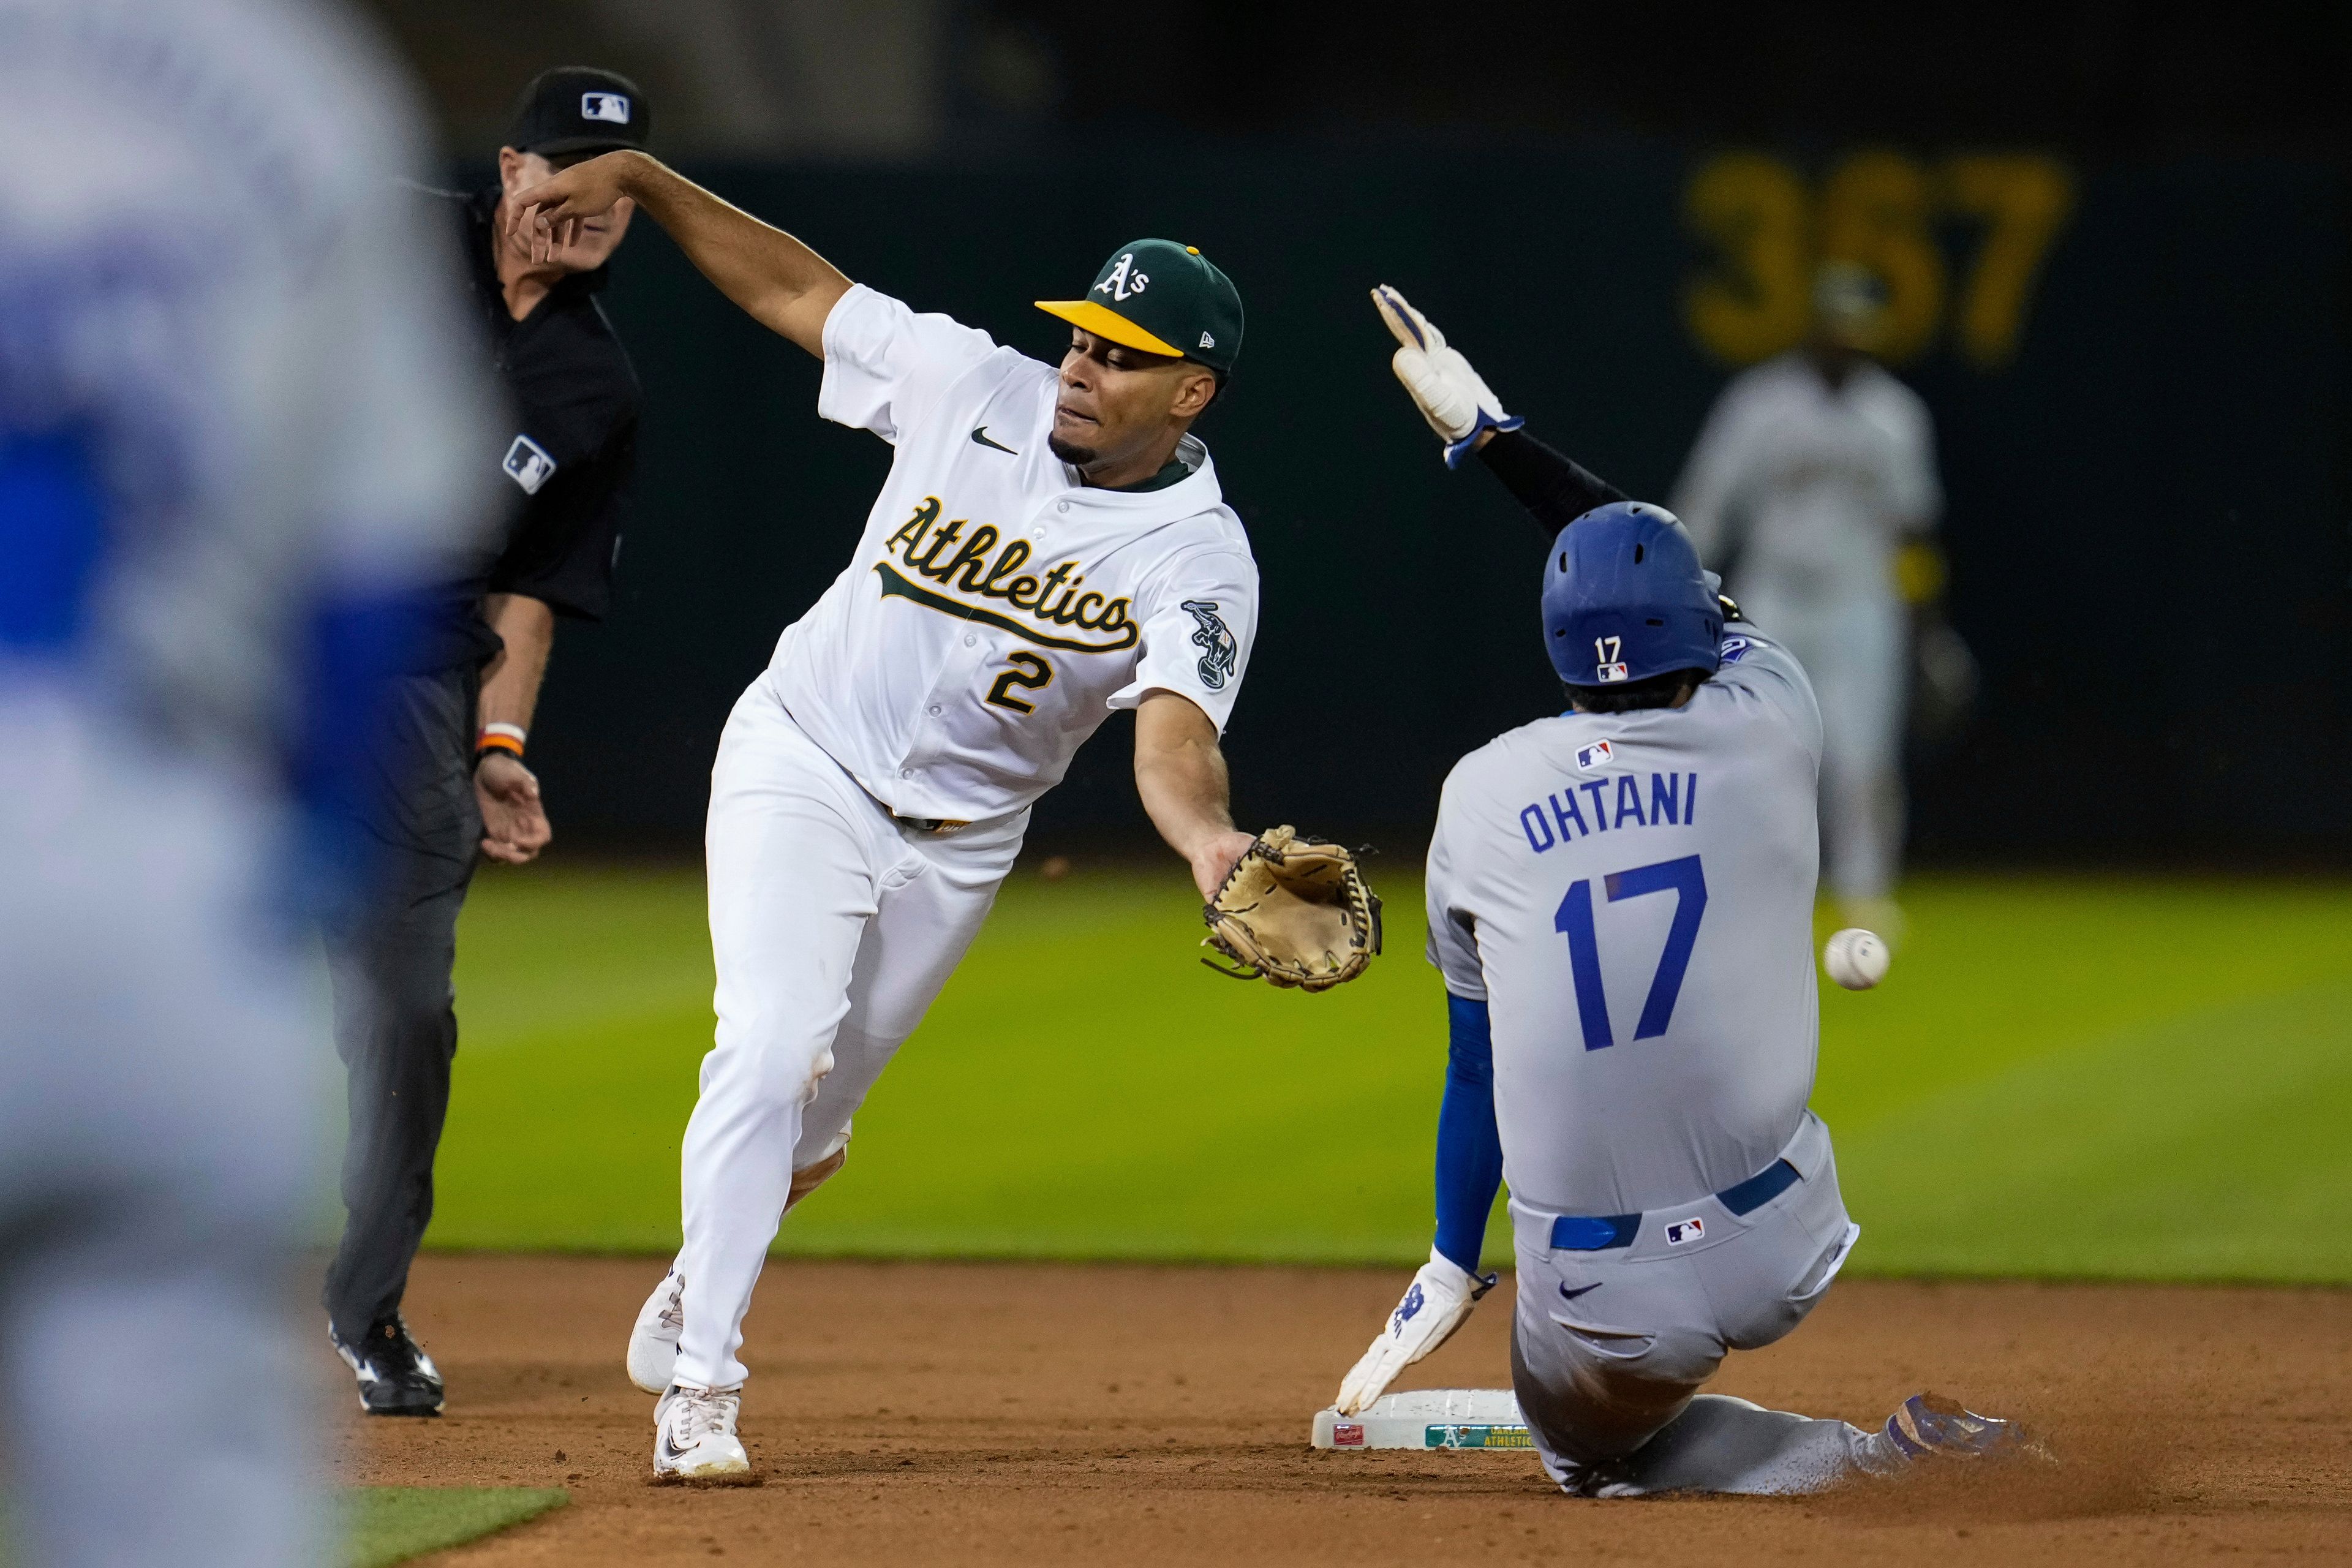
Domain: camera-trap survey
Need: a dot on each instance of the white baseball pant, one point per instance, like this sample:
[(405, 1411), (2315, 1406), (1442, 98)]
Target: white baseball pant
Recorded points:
[(1857, 654), (833, 926)]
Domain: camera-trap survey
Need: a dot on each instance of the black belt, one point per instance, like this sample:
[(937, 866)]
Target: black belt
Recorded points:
[(1605, 1232)]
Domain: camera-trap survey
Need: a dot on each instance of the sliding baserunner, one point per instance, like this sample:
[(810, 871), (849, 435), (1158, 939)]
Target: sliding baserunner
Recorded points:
[(1621, 899)]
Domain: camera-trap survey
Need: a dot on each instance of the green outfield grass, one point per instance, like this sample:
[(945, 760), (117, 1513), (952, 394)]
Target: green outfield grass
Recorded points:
[(393, 1524), (385, 1525), (2062, 1077)]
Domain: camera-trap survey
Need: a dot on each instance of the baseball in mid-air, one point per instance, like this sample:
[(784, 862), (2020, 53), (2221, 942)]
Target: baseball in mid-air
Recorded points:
[(1856, 959)]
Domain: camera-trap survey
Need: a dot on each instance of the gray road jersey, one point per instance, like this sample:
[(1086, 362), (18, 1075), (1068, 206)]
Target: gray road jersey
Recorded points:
[(1632, 895)]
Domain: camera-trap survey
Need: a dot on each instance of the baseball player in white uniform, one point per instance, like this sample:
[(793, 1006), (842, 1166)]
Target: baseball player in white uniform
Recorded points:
[(1813, 474), (1050, 545), (231, 414), (1621, 902)]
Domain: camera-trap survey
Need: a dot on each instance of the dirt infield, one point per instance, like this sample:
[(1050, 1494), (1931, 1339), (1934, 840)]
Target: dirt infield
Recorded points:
[(1029, 1415)]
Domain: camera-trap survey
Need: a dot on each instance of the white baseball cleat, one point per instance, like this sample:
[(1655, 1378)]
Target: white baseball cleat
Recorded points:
[(694, 1438), (653, 1342)]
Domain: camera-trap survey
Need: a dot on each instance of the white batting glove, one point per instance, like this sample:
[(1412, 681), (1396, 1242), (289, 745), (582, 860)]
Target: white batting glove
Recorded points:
[(1435, 1305), (1453, 398)]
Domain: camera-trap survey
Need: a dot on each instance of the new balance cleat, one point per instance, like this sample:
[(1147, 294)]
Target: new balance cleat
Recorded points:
[(653, 1342), (694, 1438)]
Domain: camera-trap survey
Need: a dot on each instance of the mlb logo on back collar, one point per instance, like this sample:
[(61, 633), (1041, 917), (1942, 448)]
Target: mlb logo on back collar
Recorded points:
[(611, 106), (1599, 755)]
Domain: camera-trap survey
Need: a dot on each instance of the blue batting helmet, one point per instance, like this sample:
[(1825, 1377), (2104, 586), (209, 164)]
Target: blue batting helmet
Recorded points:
[(1624, 598)]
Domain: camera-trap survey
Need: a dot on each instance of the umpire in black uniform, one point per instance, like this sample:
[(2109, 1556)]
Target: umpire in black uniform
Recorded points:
[(453, 784)]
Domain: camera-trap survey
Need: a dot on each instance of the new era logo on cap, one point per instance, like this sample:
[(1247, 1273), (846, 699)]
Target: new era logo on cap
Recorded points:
[(607, 106)]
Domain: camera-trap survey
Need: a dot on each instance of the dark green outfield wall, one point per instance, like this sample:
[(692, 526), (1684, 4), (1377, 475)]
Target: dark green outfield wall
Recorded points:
[(2146, 521)]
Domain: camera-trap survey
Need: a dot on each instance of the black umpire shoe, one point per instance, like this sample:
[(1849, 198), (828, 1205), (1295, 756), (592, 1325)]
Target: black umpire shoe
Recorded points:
[(396, 1377)]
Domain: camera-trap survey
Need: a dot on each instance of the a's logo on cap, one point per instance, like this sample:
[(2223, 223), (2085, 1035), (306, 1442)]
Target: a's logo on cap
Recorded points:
[(611, 106), (1124, 281)]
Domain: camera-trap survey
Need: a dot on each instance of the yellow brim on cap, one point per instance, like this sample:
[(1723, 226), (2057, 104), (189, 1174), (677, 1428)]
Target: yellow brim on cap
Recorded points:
[(1106, 322)]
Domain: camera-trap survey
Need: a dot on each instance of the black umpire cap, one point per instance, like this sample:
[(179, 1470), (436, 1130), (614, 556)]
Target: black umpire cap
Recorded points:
[(575, 109)]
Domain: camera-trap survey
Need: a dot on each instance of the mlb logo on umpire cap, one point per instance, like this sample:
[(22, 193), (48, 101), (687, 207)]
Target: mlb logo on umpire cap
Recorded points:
[(528, 465), (1682, 1230), (1599, 755), (608, 106)]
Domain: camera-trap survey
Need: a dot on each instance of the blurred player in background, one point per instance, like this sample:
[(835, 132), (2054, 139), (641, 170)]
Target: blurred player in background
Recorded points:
[(1621, 901), (1813, 488), (231, 408), (567, 446)]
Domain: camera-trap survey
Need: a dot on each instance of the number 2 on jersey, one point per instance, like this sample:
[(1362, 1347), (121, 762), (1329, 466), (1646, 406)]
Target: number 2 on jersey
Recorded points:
[(1575, 921), (1030, 673)]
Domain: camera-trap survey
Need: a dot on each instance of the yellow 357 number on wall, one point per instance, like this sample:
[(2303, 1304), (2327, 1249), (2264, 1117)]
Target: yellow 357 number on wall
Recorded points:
[(1881, 209)]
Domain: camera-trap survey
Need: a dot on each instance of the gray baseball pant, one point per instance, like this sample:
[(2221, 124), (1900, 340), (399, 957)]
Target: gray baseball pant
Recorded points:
[(1609, 1348)]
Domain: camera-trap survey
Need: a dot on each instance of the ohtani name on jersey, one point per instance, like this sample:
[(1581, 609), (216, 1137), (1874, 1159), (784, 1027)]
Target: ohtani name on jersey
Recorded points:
[(952, 559), (1609, 805)]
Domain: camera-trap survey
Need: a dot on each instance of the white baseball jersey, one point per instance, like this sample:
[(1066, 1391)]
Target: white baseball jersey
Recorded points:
[(1631, 895), (1813, 488), (996, 608)]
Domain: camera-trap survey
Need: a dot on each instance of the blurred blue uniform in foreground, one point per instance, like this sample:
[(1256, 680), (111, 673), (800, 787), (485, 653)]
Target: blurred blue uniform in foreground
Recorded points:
[(228, 410)]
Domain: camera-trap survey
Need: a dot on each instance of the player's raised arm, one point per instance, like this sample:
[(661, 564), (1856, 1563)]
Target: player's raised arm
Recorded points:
[(1468, 417), (781, 283)]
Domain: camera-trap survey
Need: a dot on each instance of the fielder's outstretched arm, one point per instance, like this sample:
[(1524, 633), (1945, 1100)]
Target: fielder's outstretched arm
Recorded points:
[(1179, 774), (784, 285)]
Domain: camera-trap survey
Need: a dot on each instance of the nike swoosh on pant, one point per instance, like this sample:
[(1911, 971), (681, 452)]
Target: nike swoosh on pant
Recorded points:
[(1568, 1295), (979, 438)]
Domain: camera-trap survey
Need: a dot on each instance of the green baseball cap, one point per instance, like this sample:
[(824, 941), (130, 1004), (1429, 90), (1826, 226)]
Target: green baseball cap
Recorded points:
[(1164, 298)]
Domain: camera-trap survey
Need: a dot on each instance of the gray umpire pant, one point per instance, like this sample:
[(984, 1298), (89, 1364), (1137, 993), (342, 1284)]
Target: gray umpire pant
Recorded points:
[(395, 1006), (1609, 1348)]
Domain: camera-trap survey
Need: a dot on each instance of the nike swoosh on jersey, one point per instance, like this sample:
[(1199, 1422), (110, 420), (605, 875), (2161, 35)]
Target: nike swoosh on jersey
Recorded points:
[(979, 438), (1568, 1295)]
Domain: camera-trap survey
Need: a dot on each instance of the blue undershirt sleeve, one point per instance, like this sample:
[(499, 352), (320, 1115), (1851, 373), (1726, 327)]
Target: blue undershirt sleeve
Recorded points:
[(1469, 1149)]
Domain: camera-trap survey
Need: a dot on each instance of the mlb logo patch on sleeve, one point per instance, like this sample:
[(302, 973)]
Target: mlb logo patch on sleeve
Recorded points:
[(528, 465), (1599, 755), (611, 106)]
